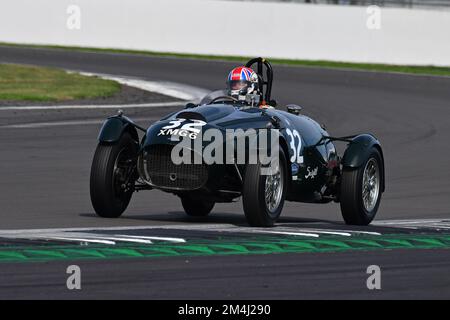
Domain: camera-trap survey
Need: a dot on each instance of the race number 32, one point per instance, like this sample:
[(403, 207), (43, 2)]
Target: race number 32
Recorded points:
[(188, 129), (295, 143), (187, 126)]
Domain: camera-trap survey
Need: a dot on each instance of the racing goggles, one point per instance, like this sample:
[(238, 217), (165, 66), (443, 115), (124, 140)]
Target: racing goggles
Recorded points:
[(238, 84)]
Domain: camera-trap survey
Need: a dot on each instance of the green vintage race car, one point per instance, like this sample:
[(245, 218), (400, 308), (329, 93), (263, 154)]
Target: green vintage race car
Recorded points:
[(309, 168)]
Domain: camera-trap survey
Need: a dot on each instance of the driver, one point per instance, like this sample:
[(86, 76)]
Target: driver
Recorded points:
[(243, 84)]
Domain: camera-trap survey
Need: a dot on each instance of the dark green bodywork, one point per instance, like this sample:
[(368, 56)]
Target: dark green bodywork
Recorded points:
[(115, 127), (319, 158), (358, 151)]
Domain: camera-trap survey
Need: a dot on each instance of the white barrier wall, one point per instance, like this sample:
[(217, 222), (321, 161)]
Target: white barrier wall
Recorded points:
[(283, 30)]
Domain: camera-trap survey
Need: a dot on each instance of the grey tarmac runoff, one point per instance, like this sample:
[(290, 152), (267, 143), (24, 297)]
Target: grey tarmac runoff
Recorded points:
[(44, 188)]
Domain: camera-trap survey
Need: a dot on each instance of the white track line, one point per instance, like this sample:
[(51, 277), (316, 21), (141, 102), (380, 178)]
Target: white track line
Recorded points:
[(415, 224), (171, 89), (123, 239), (445, 226), (176, 240), (336, 233), (406, 222), (351, 232), (116, 106), (282, 229), (20, 232), (199, 227), (340, 232), (102, 237), (313, 235), (93, 237), (63, 123), (52, 124), (81, 240), (233, 229)]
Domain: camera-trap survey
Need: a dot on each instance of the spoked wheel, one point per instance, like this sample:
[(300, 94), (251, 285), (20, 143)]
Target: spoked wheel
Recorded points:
[(263, 195), (113, 175), (361, 190), (371, 185), (274, 188)]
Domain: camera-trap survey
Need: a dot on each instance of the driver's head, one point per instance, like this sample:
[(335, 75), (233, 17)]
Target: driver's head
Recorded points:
[(241, 82)]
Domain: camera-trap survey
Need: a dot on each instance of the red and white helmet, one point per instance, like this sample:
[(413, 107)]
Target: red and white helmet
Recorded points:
[(242, 81)]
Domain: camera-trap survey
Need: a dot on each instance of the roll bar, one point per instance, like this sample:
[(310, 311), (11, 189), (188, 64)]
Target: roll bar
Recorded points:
[(265, 83)]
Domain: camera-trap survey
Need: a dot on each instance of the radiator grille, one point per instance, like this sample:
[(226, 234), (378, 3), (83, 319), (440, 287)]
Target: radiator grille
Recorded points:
[(157, 169)]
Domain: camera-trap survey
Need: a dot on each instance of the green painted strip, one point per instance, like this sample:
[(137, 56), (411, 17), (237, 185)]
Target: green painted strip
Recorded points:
[(198, 248), (44, 253), (399, 242), (83, 253), (331, 243), (12, 255), (430, 242), (232, 247), (364, 243), (225, 246), (121, 252), (266, 247), (298, 245), (160, 251)]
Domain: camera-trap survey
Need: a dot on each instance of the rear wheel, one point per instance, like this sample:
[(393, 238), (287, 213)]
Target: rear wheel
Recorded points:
[(361, 190), (113, 176), (196, 207), (263, 195)]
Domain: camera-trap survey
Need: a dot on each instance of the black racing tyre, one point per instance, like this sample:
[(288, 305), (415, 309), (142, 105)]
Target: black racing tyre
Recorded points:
[(111, 167), (196, 207), (263, 195), (361, 190)]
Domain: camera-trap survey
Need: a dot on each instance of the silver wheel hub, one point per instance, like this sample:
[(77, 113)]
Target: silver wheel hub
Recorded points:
[(371, 185), (274, 190)]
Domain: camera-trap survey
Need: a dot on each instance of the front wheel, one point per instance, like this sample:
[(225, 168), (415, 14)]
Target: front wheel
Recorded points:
[(113, 176), (360, 194), (264, 192)]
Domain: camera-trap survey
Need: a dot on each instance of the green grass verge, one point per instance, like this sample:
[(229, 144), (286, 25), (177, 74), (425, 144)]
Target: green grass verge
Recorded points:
[(423, 70), (29, 83)]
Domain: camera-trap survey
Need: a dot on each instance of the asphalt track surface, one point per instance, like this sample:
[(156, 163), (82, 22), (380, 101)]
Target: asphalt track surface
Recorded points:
[(45, 177)]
